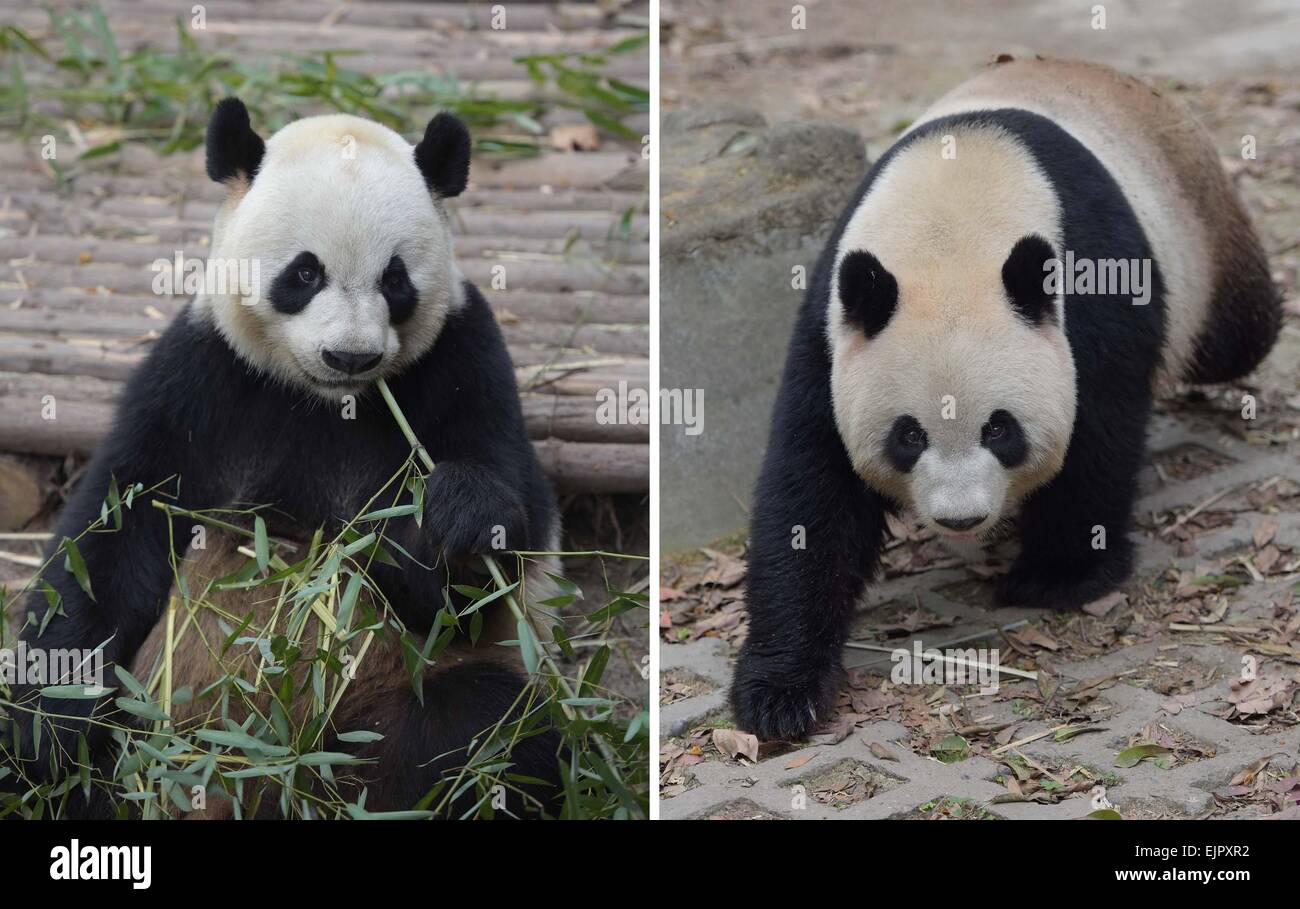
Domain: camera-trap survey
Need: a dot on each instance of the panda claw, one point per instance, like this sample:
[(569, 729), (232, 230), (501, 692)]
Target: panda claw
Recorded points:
[(781, 712)]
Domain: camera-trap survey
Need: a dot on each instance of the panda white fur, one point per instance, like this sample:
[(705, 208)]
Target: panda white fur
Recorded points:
[(241, 401), (932, 369)]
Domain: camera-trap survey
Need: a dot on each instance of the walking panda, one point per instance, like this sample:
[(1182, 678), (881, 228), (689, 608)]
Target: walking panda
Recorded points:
[(932, 367), (268, 398)]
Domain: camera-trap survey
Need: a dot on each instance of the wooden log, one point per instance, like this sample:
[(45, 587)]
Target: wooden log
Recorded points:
[(577, 467), (562, 379), (575, 419), (558, 170), (34, 385), (76, 428), (138, 213), (461, 18), (65, 249), (21, 353), (578, 307), (173, 182), (550, 27)]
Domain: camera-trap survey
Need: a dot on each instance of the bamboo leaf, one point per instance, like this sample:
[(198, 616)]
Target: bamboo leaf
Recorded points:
[(75, 564), (261, 545)]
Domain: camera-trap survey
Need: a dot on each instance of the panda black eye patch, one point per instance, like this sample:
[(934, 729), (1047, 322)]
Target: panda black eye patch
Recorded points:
[(395, 284), (906, 442), (296, 284), (1004, 437)]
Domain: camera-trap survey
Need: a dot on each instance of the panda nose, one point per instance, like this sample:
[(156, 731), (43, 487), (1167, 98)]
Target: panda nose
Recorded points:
[(347, 361), (960, 523)]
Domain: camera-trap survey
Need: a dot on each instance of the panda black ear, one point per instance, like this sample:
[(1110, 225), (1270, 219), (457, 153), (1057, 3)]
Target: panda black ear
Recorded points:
[(868, 292), (1025, 277), (443, 155), (233, 149)]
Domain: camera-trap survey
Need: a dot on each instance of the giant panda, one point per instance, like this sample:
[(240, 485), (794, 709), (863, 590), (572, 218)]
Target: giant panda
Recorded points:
[(270, 398), (933, 367)]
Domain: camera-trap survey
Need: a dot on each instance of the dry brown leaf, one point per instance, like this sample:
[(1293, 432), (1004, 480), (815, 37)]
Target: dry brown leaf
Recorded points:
[(1265, 530), (1267, 558), (800, 760), (732, 743), (882, 752), (1031, 636), (1006, 735), (1247, 776)]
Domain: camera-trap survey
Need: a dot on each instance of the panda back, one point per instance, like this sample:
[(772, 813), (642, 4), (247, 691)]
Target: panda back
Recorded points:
[(1164, 164)]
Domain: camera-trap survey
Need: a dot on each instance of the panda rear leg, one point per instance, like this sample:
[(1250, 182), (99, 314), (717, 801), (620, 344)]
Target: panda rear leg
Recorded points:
[(429, 742), (1245, 316)]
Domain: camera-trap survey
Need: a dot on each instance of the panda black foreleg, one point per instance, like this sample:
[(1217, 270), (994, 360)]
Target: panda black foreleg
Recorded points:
[(129, 574), (1075, 545), (800, 601), (815, 537)]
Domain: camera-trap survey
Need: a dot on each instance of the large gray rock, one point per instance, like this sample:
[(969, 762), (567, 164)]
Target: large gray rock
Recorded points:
[(742, 204)]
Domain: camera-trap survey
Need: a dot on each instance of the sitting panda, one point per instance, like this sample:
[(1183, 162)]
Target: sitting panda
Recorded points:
[(270, 399), (933, 368)]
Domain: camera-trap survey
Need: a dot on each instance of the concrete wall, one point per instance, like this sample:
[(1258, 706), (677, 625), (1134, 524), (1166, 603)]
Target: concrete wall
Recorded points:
[(742, 204)]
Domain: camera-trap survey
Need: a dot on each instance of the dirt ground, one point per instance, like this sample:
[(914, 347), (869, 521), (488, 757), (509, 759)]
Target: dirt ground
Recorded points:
[(1217, 520)]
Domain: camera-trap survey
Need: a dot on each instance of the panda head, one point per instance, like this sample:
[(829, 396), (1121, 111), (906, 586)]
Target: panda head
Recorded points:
[(952, 381), (344, 221)]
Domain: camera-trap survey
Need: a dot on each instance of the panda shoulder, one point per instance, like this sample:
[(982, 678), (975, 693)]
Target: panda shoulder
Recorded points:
[(189, 359)]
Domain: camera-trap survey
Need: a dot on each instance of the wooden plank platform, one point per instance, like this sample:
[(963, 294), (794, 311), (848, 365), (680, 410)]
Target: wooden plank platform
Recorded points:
[(77, 308)]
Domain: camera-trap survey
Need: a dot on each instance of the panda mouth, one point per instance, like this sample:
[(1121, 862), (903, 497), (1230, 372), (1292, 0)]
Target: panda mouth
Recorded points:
[(335, 384), (342, 383), (360, 380), (968, 532)]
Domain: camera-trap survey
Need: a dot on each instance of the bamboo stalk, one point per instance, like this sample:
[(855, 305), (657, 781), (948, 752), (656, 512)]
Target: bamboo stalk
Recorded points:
[(167, 657)]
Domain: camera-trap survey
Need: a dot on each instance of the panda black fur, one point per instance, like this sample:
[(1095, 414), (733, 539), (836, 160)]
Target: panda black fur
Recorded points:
[(930, 293), (240, 403)]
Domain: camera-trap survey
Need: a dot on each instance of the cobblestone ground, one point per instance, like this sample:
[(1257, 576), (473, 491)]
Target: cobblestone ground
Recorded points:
[(1212, 599)]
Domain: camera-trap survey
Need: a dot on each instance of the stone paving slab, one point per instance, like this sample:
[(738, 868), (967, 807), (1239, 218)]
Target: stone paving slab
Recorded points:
[(1182, 790)]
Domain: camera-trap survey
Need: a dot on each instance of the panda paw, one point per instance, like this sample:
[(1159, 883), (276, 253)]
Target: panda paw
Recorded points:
[(780, 710), (1062, 590), (473, 515)]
